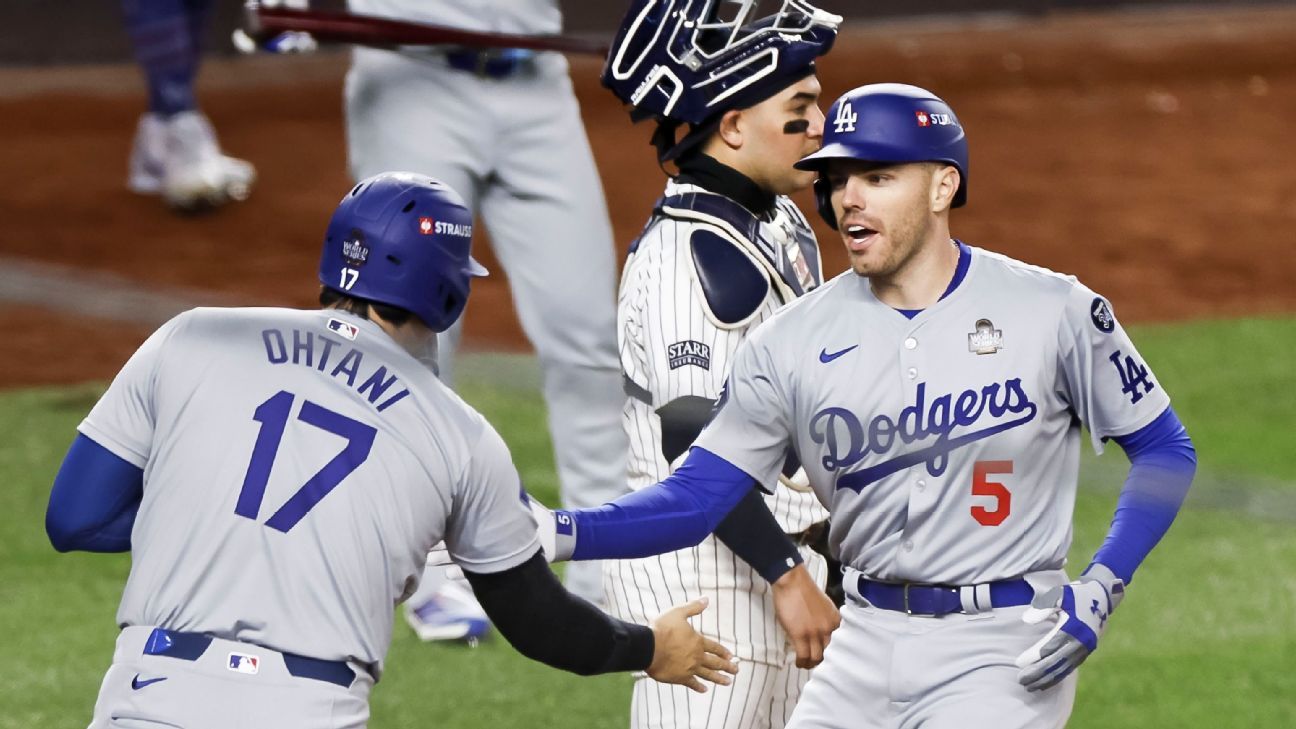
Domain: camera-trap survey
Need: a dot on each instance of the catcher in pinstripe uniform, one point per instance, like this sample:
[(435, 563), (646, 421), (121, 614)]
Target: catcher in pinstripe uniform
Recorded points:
[(723, 250)]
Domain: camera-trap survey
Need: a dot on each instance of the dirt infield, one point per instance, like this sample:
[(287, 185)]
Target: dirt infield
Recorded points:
[(1150, 154)]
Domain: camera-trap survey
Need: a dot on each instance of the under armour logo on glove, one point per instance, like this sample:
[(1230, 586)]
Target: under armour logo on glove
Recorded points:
[(1076, 633), (1102, 616)]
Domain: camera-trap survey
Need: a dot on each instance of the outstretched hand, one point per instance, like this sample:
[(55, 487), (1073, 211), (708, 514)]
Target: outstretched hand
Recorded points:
[(1081, 609), (806, 614), (683, 656)]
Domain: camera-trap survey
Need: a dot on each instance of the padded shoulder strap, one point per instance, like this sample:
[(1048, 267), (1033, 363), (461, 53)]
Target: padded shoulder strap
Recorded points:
[(733, 284), (720, 211)]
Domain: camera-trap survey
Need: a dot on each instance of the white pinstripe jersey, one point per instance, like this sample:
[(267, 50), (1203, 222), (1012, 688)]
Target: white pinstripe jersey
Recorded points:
[(672, 346)]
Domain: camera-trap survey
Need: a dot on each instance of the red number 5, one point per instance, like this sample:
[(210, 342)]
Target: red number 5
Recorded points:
[(981, 486)]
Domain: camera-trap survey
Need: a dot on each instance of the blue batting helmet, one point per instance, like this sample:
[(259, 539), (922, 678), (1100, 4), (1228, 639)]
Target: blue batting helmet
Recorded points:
[(402, 239), (687, 61), (889, 123)]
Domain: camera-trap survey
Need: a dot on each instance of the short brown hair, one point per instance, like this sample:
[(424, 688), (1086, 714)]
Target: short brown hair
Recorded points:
[(332, 298)]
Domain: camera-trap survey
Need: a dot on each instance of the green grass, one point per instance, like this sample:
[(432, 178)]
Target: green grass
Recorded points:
[(1206, 638), (1233, 382)]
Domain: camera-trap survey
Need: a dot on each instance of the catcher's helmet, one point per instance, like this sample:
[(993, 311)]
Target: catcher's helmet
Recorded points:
[(688, 61), (889, 123), (402, 239)]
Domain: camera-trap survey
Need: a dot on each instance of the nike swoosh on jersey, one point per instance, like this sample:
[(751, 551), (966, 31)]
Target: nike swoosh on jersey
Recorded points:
[(825, 357), (137, 684)]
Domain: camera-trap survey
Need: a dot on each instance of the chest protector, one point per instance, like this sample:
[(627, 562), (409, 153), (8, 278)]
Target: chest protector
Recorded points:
[(738, 258)]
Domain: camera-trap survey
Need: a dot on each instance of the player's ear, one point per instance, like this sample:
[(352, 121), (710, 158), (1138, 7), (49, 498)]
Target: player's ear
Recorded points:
[(731, 128), (944, 185)]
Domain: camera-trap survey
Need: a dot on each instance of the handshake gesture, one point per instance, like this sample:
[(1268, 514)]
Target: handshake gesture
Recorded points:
[(1081, 609), (683, 656), (807, 615)]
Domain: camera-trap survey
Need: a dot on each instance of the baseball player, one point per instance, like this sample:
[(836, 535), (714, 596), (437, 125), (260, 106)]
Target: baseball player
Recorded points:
[(935, 395), (279, 476), (175, 153), (723, 249), (503, 127)]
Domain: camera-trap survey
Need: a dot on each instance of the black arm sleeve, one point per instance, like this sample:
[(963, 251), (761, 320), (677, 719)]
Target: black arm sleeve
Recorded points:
[(682, 419), (546, 623), (751, 532)]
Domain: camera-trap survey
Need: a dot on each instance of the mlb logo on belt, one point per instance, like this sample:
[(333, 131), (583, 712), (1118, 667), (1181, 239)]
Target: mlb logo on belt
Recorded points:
[(243, 663), (350, 331)]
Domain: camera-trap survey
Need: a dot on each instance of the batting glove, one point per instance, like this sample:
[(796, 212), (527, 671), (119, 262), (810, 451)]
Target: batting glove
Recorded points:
[(292, 41), (1081, 609), (554, 529)]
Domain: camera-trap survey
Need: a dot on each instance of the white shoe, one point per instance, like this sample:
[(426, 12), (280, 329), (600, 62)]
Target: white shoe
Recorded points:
[(180, 159), (453, 613), (147, 152)]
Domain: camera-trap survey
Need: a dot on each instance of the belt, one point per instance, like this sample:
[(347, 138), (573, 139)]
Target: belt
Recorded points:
[(191, 646), (489, 62), (938, 600)]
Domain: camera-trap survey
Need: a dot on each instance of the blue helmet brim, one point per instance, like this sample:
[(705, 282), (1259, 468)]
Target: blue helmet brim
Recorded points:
[(871, 152), (815, 161)]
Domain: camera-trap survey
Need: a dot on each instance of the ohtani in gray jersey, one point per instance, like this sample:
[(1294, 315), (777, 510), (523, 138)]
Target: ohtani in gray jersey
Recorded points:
[(289, 454), (935, 396), (279, 477)]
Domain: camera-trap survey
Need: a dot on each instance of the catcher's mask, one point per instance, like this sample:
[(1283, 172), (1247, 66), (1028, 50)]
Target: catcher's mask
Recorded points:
[(688, 61)]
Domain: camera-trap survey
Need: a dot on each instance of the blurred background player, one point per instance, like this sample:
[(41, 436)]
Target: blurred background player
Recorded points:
[(723, 250), (175, 153), (502, 126), (279, 475)]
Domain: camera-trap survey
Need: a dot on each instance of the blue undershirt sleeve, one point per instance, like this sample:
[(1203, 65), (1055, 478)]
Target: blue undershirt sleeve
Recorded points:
[(677, 512), (94, 500), (1162, 464)]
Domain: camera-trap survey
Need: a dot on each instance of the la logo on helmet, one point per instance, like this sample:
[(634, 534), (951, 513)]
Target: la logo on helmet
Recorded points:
[(845, 119)]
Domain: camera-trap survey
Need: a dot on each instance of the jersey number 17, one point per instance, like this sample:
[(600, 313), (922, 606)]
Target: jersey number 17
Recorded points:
[(273, 416)]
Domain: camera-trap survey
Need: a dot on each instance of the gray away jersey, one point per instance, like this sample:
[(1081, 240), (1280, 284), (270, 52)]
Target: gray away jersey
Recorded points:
[(298, 466), (946, 446)]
